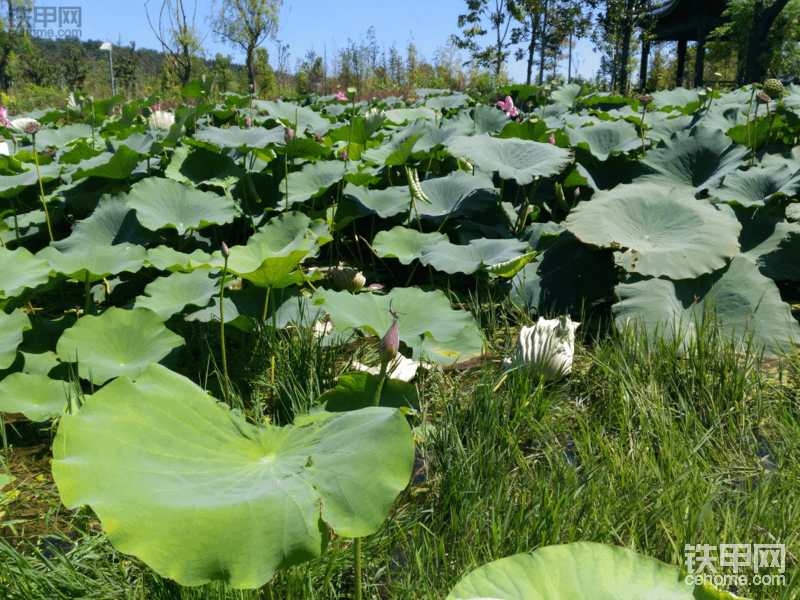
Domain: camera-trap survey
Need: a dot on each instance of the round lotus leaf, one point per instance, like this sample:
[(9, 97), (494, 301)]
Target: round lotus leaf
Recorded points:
[(208, 496), (457, 195), (36, 396), (260, 265), (521, 160), (426, 323), (772, 242), (11, 328), (738, 297), (201, 165), (243, 139), (301, 117), (311, 181), (404, 244), (169, 295), (757, 185), (111, 165), (12, 185), (658, 231), (292, 231), (118, 342), (607, 137), (161, 203), (385, 203), (167, 259), (478, 254), (96, 260), (27, 271), (63, 135), (580, 571), (404, 115)]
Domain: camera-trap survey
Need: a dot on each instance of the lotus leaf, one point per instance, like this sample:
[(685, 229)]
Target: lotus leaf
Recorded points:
[(167, 259), (771, 242), (478, 254), (385, 203), (118, 342), (355, 391), (311, 181), (208, 496), (658, 231), (292, 231), (13, 185), (457, 195), (262, 266), (23, 270), (405, 244), (744, 300), (606, 138), (117, 165), (138, 142), (11, 328), (758, 184), (200, 165), (241, 139), (403, 115), (36, 396), (95, 260), (164, 203), (63, 135), (301, 117), (168, 295)]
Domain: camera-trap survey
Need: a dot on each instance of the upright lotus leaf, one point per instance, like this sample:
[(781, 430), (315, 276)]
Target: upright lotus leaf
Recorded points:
[(262, 266), (199, 87), (772, 242), (112, 222), (743, 299), (301, 117), (241, 139), (404, 244), (404, 115), (658, 231), (292, 231), (521, 160), (311, 181), (11, 328), (118, 165), (758, 184), (580, 571), (164, 203), (478, 254), (118, 342), (96, 260), (36, 396), (385, 203), (606, 138), (457, 195), (485, 119), (567, 94), (21, 270), (208, 496), (449, 102), (661, 126), (694, 160), (138, 142), (668, 100), (426, 323), (169, 295), (201, 165), (12, 185), (62, 136), (355, 391)]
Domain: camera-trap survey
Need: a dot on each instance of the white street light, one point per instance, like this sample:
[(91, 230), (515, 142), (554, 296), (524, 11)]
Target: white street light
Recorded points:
[(107, 46)]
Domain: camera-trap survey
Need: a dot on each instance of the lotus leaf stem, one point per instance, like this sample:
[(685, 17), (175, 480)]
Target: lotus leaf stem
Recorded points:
[(222, 329), (357, 565), (2, 241), (88, 289), (41, 189)]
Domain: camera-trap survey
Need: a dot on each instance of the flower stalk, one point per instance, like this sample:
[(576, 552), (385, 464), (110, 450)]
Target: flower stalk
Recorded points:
[(225, 254), (33, 129)]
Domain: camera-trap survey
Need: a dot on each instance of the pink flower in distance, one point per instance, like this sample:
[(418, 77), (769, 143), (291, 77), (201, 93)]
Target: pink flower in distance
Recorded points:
[(155, 107), (552, 139), (508, 107), (340, 95), (248, 121), (577, 191), (288, 134), (3, 116)]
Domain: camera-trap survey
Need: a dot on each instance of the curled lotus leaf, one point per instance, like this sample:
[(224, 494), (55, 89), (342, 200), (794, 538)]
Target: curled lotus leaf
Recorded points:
[(11, 328), (758, 184), (36, 396), (28, 272)]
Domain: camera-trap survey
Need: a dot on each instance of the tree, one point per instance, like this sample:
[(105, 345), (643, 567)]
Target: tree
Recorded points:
[(266, 84), (613, 36), (500, 19), (223, 76), (178, 38), (246, 24), (74, 65), (125, 63), (757, 46), (13, 33)]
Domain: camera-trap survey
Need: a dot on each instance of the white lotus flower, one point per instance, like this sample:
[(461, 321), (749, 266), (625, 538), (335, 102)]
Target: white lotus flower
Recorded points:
[(4, 148), (401, 368), (161, 120), (546, 348), (19, 124)]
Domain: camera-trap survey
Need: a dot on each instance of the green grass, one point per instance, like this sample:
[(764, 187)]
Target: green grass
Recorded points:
[(643, 446)]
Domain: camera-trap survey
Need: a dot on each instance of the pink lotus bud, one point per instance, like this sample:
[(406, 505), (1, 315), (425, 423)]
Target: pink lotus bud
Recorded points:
[(343, 155), (340, 95), (577, 191), (390, 344), (288, 135), (318, 138), (225, 250), (552, 139), (248, 121)]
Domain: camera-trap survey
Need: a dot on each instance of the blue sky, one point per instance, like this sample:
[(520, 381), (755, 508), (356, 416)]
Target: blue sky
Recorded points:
[(303, 25)]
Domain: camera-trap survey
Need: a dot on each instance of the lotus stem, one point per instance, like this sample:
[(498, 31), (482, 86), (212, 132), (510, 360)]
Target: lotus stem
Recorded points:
[(755, 135), (376, 397), (222, 325), (266, 305), (88, 289), (357, 564), (2, 241), (41, 189)]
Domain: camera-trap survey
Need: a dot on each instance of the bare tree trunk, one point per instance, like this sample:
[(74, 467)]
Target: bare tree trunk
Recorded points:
[(251, 67), (543, 43), (625, 53), (569, 62), (532, 46), (763, 18)]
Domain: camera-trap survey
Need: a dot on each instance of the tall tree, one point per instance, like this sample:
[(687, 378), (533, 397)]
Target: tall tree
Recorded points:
[(13, 32), (492, 56), (757, 46), (179, 38), (246, 24), (613, 35)]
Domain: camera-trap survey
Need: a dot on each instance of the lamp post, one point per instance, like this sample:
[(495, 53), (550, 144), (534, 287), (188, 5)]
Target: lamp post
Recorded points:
[(107, 46)]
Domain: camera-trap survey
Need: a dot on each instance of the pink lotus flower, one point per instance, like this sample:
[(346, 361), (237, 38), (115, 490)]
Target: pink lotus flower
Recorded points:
[(508, 107), (3, 116), (343, 155), (552, 139), (577, 191), (288, 134), (248, 121), (155, 107), (340, 95)]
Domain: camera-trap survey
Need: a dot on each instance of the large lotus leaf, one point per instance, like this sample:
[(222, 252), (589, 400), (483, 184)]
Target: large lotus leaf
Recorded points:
[(118, 342), (259, 264), (677, 98), (457, 195), (167, 259), (567, 94), (311, 181), (355, 391), (118, 165), (758, 184), (385, 203), (301, 117), (242, 139), (398, 149), (478, 254), (164, 203), (744, 300), (292, 231), (694, 160), (566, 280), (521, 160), (36, 396), (21, 270), (487, 119), (98, 260), (13, 185), (169, 295), (663, 125), (404, 244), (772, 242), (580, 571), (63, 135), (208, 496), (605, 138), (426, 322), (138, 142), (11, 328), (112, 222), (450, 102), (201, 165), (660, 232), (403, 115)]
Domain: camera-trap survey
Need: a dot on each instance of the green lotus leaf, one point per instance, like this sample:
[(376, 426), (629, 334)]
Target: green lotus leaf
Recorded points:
[(138, 142), (301, 117), (355, 391), (659, 231), (510, 267), (484, 119), (580, 571), (385, 203), (167, 259), (36, 396), (404, 115), (169, 295), (13, 185), (241, 139), (693, 160), (478, 254), (96, 260), (567, 94), (198, 87), (404, 244), (118, 165), (436, 333), (606, 138), (311, 181), (450, 102), (22, 270), (772, 242), (78, 153), (757, 185), (201, 165), (164, 203), (670, 99), (63, 135), (292, 231), (744, 301), (208, 496), (259, 264), (457, 195), (11, 328), (362, 130), (521, 160), (118, 342)]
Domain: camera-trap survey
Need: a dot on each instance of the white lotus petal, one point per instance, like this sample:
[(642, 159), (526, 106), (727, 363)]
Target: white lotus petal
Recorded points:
[(546, 348)]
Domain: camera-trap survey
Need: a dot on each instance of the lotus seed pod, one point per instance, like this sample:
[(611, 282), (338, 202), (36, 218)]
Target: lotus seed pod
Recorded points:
[(32, 128), (390, 344), (762, 98), (646, 99), (348, 279), (19, 124), (773, 88)]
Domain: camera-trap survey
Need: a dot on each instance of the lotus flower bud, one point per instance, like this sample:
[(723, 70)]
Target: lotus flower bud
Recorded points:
[(546, 349), (552, 139), (762, 98), (248, 122), (49, 153), (3, 116), (288, 134), (225, 250), (645, 100), (717, 76), (390, 344), (577, 192), (156, 107), (318, 138), (347, 278), (560, 200), (343, 155)]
